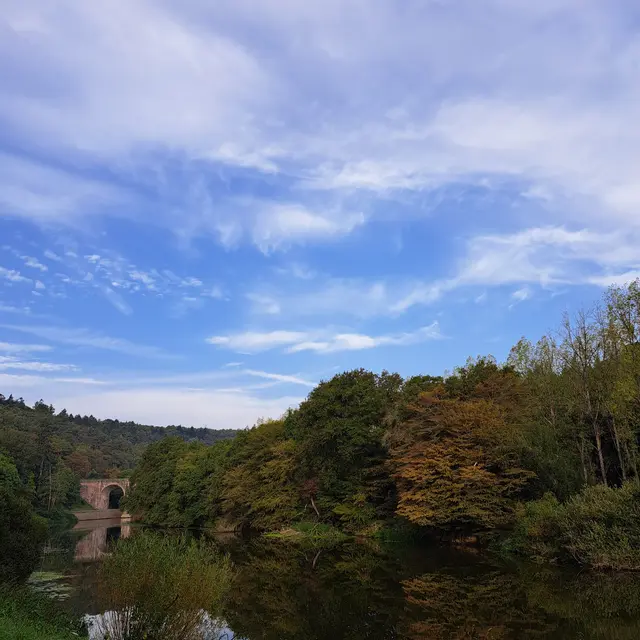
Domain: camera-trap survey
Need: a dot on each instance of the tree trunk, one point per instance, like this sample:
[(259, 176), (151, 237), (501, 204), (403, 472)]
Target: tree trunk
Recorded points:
[(603, 473), (313, 504)]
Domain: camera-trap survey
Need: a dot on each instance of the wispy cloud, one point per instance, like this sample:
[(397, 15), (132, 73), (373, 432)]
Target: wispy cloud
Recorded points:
[(539, 256), (89, 339), (10, 347), (12, 276), (252, 341), (51, 255), (358, 341), (7, 362), (37, 192), (34, 263), (9, 308), (321, 341)]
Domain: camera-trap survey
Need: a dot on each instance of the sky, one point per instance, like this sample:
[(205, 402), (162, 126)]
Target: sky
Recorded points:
[(206, 208)]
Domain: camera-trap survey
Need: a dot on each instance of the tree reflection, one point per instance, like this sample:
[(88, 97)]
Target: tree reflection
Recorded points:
[(282, 591), (487, 605), (160, 587), (589, 605)]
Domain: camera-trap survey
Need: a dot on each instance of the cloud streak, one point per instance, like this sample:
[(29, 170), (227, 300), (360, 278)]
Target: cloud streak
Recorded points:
[(89, 339), (321, 341)]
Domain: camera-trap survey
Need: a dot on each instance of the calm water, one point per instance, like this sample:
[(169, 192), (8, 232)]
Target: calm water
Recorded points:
[(365, 590)]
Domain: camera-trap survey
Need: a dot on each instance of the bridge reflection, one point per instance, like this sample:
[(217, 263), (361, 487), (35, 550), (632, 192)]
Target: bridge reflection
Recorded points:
[(101, 534)]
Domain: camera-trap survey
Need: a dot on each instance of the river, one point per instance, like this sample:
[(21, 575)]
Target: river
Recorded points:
[(365, 590)]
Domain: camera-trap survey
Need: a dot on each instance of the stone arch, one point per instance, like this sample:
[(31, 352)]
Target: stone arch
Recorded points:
[(98, 493), (113, 495)]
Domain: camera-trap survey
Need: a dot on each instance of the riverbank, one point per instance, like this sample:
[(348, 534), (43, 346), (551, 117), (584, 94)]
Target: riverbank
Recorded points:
[(26, 615)]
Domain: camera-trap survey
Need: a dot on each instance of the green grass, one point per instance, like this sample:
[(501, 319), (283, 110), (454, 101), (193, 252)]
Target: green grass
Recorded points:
[(28, 616)]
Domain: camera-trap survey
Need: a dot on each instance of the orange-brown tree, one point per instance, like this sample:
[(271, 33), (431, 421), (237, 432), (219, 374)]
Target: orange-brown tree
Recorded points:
[(457, 469)]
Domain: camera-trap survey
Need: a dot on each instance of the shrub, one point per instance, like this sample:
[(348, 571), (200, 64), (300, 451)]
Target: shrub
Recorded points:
[(161, 587), (599, 527)]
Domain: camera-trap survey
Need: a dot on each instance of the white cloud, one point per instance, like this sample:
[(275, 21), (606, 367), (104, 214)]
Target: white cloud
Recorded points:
[(285, 89), (320, 341), (278, 377), (89, 339), (281, 224), (12, 275), (50, 255), (252, 341), (8, 308), (34, 263), (116, 300), (542, 256), (9, 347), (619, 279), (41, 193), (39, 385), (357, 341), (39, 285), (191, 282), (520, 295), (214, 292), (7, 362)]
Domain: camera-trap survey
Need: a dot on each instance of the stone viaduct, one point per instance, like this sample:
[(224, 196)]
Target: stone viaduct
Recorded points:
[(104, 494)]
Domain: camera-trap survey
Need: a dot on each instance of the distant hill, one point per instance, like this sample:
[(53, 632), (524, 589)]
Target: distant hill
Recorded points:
[(37, 437)]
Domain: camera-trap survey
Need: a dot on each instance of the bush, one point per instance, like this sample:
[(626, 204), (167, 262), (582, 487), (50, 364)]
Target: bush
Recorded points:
[(160, 587), (599, 527)]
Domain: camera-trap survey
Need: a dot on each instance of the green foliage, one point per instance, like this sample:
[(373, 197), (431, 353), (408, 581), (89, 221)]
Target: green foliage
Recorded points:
[(22, 532), (599, 527), (259, 489), (177, 483), (25, 615), (82, 443), (339, 430), (161, 587)]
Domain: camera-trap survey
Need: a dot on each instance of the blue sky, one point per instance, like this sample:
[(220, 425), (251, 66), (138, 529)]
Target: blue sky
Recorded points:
[(206, 208)]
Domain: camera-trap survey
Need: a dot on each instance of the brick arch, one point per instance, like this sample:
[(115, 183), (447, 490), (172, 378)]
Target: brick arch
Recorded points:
[(96, 492)]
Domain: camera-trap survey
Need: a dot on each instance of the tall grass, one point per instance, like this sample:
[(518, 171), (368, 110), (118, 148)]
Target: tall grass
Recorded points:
[(160, 587)]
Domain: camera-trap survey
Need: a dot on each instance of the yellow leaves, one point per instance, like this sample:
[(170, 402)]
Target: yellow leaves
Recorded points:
[(454, 474)]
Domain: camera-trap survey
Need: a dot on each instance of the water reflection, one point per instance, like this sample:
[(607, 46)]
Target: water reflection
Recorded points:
[(165, 587), (96, 543)]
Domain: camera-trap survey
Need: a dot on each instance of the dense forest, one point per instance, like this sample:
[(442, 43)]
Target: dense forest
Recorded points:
[(44, 455), (544, 446)]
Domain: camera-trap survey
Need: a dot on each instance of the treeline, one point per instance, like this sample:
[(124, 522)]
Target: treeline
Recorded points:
[(451, 455), (36, 437), (44, 455)]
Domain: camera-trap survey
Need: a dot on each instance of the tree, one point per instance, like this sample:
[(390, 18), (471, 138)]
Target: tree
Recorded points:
[(259, 486), (459, 473), (22, 533), (338, 430)]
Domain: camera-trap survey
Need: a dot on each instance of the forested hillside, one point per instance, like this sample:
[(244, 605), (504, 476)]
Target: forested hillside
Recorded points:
[(53, 451), (546, 442)]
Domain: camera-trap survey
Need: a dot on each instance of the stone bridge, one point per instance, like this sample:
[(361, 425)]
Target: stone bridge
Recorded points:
[(104, 493)]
